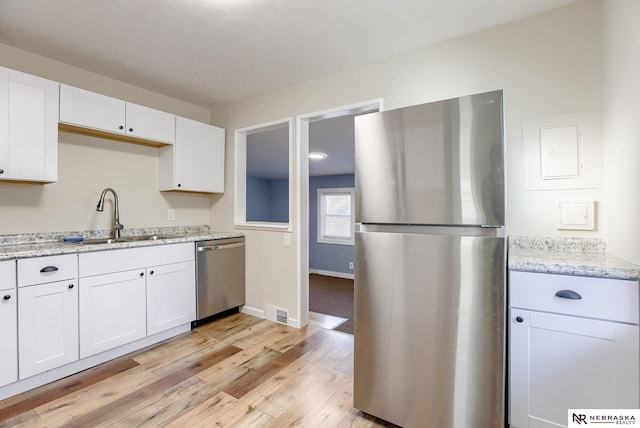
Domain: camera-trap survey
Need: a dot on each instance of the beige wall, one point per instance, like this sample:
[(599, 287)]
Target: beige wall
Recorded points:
[(87, 165), (547, 64), (622, 126)]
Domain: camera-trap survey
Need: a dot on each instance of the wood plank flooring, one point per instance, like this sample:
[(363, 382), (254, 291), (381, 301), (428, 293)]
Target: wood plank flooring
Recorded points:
[(238, 371)]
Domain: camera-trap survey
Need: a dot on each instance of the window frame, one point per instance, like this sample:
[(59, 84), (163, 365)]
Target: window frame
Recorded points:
[(321, 239), (240, 166)]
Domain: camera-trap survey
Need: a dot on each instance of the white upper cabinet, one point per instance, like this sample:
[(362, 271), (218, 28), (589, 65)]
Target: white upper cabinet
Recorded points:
[(28, 127), (195, 163), (91, 110), (150, 124), (85, 109)]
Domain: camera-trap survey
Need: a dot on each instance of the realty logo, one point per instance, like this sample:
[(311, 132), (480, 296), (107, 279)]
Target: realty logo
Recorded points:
[(579, 419)]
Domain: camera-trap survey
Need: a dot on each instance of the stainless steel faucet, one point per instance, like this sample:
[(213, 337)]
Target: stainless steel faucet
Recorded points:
[(117, 227)]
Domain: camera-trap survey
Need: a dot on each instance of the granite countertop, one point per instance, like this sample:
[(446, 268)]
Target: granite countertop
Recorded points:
[(51, 244), (568, 256)]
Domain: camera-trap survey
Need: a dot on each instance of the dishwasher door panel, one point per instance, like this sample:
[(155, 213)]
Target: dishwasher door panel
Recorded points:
[(220, 276)]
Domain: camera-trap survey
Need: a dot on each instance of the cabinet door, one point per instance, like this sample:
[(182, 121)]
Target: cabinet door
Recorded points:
[(9, 335), (112, 311), (171, 296), (48, 326), (28, 127), (90, 110), (196, 161), (150, 124), (561, 362)]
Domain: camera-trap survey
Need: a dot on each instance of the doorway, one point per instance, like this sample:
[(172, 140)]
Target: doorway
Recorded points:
[(333, 276)]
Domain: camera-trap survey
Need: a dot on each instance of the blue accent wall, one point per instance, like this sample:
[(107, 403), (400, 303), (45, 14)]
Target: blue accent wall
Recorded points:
[(327, 257), (267, 200), (257, 199), (279, 200)]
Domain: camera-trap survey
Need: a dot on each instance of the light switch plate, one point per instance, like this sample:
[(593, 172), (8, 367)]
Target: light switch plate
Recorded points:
[(576, 215), (171, 214), (287, 239)]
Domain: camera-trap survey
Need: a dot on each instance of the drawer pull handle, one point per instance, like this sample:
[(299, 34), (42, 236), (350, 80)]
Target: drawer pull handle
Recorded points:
[(7, 297), (48, 269), (569, 294)]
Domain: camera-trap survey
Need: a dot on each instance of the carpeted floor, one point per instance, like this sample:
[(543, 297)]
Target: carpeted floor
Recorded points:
[(332, 296)]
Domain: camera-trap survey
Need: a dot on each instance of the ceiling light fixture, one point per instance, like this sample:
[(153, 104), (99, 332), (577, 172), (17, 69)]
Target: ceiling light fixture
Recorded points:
[(317, 155)]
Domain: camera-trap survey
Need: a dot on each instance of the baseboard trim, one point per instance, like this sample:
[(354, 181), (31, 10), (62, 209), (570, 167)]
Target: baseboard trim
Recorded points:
[(334, 274)]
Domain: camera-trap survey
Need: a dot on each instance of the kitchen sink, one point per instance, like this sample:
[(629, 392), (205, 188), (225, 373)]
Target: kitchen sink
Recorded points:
[(147, 237), (98, 241)]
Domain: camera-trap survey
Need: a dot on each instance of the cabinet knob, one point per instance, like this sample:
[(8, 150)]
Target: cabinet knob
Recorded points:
[(121, 127), (179, 185), (519, 319), (151, 273), (7, 297), (141, 273), (70, 286), (130, 129), (1, 171)]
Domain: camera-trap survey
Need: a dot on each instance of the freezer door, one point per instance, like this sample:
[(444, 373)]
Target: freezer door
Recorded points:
[(429, 329), (435, 163)]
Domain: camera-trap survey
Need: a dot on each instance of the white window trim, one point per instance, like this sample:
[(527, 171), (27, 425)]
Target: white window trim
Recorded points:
[(240, 163), (337, 241)]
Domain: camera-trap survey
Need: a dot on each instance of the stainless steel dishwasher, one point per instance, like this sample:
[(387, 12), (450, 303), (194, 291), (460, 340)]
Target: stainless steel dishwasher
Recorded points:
[(219, 275)]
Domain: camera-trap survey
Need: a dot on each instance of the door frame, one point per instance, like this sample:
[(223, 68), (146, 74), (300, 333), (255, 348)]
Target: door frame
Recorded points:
[(302, 196)]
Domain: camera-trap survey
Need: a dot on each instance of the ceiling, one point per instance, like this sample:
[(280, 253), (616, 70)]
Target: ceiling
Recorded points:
[(209, 52), (268, 151)]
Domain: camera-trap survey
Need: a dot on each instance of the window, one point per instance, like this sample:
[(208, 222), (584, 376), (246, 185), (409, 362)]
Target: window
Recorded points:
[(336, 216)]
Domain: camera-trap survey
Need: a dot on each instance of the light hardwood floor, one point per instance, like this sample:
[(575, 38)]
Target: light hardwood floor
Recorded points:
[(237, 371)]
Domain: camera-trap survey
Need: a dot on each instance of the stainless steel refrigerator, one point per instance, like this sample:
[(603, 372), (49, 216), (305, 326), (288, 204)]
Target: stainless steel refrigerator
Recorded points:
[(430, 264)]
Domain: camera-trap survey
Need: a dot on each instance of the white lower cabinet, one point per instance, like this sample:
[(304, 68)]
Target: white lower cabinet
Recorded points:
[(112, 311), (128, 294), (8, 323), (48, 326), (171, 296), (571, 361)]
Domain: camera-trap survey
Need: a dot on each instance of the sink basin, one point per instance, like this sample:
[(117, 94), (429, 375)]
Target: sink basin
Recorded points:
[(148, 237), (98, 241)]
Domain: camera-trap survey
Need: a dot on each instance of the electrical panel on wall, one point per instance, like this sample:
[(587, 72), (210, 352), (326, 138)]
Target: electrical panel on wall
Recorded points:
[(562, 151)]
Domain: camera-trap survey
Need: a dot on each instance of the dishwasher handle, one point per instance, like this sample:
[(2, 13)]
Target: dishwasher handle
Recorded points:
[(220, 247)]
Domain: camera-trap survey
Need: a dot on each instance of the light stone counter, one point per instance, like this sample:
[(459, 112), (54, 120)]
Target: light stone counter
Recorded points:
[(568, 256), (51, 244)]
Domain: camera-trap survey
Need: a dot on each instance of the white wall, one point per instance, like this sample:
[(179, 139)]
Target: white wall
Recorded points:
[(622, 125), (547, 64), (87, 165)]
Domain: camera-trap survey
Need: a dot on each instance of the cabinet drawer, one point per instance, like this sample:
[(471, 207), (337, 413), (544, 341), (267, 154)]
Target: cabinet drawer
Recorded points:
[(40, 270), (601, 298), (104, 262)]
